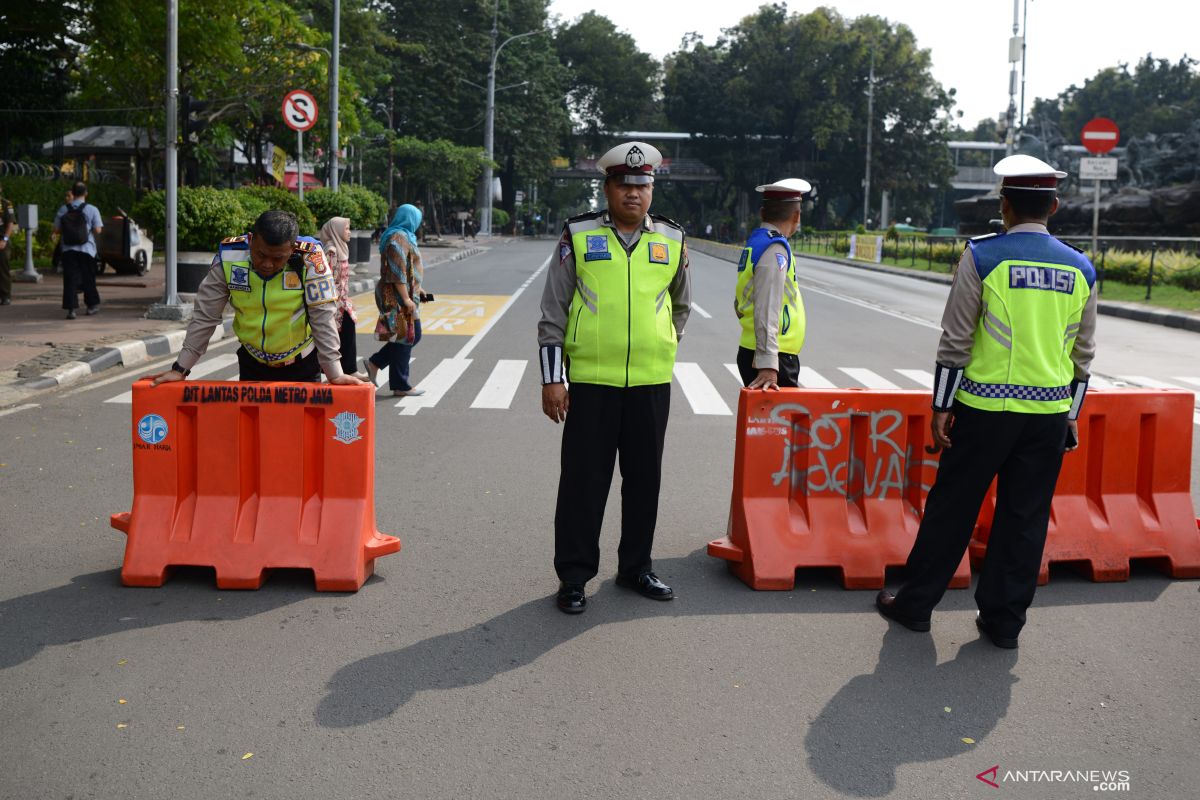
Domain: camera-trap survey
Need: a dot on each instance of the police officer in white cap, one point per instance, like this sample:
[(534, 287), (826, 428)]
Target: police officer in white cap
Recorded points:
[(613, 309), (767, 297), (1018, 337)]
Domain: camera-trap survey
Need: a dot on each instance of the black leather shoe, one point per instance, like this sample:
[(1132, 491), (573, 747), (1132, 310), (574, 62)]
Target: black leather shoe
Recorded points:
[(70, 315), (1000, 641), (647, 585), (570, 598), (885, 602)]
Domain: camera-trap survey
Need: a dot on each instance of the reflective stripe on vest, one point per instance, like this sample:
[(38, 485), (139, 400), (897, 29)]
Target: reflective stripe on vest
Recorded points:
[(1034, 291), (620, 331), (792, 321), (270, 318)]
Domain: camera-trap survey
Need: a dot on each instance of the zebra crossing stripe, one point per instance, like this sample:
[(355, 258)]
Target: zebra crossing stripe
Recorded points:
[(737, 373), (918, 376), (699, 390), (501, 385), (1149, 383), (869, 379), (436, 384), (809, 378), (1192, 381), (206, 367)]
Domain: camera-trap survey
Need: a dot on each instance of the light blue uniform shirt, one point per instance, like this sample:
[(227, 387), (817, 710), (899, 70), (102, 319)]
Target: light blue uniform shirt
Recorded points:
[(93, 222)]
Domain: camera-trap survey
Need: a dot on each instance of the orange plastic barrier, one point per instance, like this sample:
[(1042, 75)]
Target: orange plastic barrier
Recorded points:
[(1126, 492), (828, 478), (246, 477)]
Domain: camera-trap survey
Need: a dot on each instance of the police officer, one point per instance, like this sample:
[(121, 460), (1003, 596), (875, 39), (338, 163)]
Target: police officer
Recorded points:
[(8, 222), (282, 293), (1012, 370), (613, 309), (767, 298)]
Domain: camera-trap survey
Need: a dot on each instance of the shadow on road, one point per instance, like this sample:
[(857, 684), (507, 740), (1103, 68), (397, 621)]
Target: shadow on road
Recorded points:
[(896, 715), (375, 687), (96, 605)]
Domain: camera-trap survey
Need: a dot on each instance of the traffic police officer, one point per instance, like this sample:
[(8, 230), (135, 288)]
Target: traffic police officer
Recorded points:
[(767, 298), (282, 293), (1012, 370), (613, 310)]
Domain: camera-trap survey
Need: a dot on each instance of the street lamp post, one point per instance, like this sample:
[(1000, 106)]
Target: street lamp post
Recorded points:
[(485, 222), (333, 91)]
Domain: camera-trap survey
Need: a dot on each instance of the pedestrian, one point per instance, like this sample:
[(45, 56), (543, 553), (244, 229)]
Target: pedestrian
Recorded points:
[(398, 297), (77, 224), (767, 297), (335, 238), (283, 299), (8, 223), (1018, 337), (613, 309)]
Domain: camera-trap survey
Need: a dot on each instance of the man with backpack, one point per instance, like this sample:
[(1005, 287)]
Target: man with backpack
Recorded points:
[(77, 224)]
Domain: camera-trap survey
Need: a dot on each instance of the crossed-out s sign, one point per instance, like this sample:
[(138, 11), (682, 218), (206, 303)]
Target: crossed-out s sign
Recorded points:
[(299, 110)]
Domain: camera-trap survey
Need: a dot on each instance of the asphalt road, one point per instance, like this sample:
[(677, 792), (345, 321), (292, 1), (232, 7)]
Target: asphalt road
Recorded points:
[(450, 674)]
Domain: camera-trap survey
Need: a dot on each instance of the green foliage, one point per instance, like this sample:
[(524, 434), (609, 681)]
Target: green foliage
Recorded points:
[(786, 93), (370, 208), (448, 169), (500, 217), (208, 215), (263, 198), (110, 198), (326, 204)]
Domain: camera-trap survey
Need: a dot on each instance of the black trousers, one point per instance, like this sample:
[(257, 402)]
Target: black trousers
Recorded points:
[(604, 422), (79, 271), (251, 369), (789, 368), (349, 346), (5, 273), (1025, 452)]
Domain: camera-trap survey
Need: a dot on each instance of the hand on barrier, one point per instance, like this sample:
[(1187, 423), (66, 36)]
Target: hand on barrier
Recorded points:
[(766, 379), (555, 401), (940, 425), (346, 380), (165, 377), (1072, 435)]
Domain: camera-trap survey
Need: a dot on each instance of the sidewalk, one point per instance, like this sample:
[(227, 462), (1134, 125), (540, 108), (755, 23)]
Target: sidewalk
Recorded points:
[(41, 350)]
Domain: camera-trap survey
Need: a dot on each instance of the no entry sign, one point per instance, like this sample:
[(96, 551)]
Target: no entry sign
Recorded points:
[(1100, 135), (299, 110)]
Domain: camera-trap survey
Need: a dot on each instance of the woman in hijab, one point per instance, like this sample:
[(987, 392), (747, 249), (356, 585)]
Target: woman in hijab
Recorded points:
[(397, 296), (335, 238)]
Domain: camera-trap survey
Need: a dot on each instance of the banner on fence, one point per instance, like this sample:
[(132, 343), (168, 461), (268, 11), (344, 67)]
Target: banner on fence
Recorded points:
[(866, 248)]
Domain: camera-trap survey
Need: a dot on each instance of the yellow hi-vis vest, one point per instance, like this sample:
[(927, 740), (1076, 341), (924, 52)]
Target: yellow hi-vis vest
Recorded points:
[(620, 331), (1034, 291), (792, 320), (270, 315)]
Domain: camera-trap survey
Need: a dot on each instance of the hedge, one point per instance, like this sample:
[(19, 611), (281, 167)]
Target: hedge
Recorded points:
[(48, 194)]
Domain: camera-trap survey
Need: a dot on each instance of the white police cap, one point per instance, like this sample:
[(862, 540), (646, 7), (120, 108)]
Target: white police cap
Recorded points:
[(786, 189), (635, 160), (1027, 172)]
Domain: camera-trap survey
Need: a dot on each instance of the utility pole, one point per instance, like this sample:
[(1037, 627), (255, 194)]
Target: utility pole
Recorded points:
[(333, 95), (870, 124), (1015, 48), (1024, 44), (391, 156)]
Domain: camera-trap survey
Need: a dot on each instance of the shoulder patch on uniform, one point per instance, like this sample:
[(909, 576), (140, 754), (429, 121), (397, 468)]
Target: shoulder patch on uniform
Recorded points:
[(1073, 247), (666, 220), (316, 260), (985, 236), (781, 260), (235, 240), (301, 246), (581, 217), (564, 251)]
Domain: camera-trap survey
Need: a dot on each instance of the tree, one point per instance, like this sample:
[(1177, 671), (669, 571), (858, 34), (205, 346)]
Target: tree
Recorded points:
[(784, 93), (611, 84)]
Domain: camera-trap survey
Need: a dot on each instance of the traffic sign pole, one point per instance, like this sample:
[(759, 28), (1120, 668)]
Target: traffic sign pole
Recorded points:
[(1095, 217), (1099, 136), (300, 163)]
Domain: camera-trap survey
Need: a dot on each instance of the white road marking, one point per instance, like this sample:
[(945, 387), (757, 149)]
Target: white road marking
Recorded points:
[(436, 384), (864, 304), (918, 376), (1151, 383), (1192, 381), (501, 385), (869, 379), (206, 367), (477, 338), (809, 378), (701, 311), (15, 409), (737, 374), (699, 390)]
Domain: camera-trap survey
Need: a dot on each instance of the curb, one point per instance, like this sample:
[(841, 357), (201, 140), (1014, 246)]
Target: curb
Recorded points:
[(128, 353), (139, 351), (1153, 316)]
